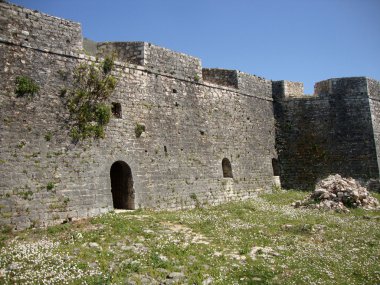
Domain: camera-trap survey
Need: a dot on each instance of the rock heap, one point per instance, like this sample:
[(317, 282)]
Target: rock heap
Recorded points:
[(339, 194)]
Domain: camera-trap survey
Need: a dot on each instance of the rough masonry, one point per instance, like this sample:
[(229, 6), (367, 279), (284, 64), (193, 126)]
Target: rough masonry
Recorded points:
[(211, 135)]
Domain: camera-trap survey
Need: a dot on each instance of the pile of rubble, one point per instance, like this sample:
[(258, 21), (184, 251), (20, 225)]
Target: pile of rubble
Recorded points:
[(339, 194)]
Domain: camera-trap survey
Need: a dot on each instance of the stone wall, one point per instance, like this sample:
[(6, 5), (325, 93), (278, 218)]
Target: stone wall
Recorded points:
[(190, 127), (287, 89), (327, 133), (158, 59), (222, 77), (25, 27), (374, 102), (254, 85), (132, 52)]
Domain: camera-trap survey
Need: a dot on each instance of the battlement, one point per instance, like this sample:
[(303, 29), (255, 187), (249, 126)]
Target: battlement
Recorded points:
[(246, 83), (154, 57), (223, 77), (30, 28), (348, 86), (287, 89)]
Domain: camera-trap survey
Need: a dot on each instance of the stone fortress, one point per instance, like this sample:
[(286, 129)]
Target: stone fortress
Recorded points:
[(211, 135)]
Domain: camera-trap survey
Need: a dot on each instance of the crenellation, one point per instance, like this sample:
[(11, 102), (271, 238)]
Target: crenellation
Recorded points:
[(210, 135), (284, 89)]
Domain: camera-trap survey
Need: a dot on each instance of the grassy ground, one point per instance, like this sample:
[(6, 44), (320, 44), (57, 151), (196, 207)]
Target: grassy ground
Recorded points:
[(262, 241)]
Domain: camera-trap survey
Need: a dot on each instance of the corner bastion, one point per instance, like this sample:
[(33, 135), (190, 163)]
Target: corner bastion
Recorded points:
[(210, 135)]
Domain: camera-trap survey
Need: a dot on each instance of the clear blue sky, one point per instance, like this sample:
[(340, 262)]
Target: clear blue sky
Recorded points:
[(298, 40)]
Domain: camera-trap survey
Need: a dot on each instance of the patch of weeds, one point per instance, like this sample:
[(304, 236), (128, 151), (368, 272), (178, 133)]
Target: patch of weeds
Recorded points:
[(21, 144), (50, 186), (63, 92), (108, 64), (157, 261), (196, 78), (88, 102), (133, 266), (25, 86), (63, 74), (48, 136), (5, 229), (139, 129), (194, 197), (26, 195), (276, 188)]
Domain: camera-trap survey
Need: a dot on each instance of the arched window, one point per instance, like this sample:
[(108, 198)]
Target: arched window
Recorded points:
[(227, 169), (123, 194)]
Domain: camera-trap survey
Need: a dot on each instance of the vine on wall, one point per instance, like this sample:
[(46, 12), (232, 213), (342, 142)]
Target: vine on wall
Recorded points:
[(88, 101)]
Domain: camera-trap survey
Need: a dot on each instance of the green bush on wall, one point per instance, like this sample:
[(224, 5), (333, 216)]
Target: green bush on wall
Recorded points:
[(139, 129), (88, 101), (25, 86)]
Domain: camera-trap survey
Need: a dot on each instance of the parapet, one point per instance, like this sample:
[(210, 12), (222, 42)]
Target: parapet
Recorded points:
[(343, 86), (247, 83), (254, 85), (154, 57), (37, 30), (223, 77), (287, 89)]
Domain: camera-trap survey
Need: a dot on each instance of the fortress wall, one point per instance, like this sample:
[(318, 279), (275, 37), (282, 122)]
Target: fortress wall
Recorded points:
[(327, 133), (173, 63), (374, 101), (191, 126), (132, 52), (31, 28), (158, 59), (219, 76), (287, 89), (252, 84), (189, 132)]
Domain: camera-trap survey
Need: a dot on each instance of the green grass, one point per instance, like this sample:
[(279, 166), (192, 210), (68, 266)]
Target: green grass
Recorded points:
[(291, 246)]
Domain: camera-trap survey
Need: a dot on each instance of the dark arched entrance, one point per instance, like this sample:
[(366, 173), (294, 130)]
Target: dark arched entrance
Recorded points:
[(227, 169), (123, 195)]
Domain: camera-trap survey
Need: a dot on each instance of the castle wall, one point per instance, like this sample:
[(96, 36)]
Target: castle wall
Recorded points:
[(158, 59), (222, 77), (132, 52), (190, 126), (31, 28), (374, 101), (327, 133), (194, 119)]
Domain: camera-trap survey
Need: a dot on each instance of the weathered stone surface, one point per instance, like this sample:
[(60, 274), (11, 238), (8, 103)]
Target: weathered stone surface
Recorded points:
[(193, 119), (190, 126), (334, 131)]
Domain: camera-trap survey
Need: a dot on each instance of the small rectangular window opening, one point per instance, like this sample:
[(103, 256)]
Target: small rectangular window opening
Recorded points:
[(116, 109)]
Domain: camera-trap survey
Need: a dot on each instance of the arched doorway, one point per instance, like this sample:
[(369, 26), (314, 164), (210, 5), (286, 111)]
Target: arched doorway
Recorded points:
[(123, 195), (227, 169)]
